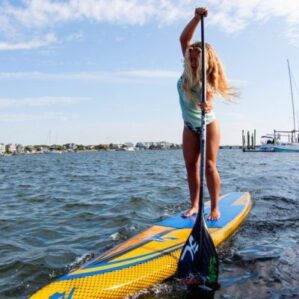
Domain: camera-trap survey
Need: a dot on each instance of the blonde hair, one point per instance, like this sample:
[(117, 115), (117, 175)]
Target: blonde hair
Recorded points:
[(217, 82)]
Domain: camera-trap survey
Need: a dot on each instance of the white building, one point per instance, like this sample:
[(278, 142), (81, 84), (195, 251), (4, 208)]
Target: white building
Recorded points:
[(11, 148), (115, 146), (2, 148), (19, 149), (129, 146), (140, 145), (70, 146)]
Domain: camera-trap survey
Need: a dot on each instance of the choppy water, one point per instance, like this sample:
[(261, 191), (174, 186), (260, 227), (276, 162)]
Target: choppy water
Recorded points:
[(57, 211)]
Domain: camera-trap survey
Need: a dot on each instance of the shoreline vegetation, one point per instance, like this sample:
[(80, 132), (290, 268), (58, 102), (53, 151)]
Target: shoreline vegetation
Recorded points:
[(18, 149)]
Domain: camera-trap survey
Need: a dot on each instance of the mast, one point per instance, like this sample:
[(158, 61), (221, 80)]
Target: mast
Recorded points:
[(294, 120)]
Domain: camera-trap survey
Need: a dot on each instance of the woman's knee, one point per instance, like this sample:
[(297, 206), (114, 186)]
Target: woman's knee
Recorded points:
[(211, 167), (191, 165)]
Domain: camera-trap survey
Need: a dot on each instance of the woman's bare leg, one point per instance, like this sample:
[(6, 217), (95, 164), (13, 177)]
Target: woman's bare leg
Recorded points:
[(191, 151), (212, 175)]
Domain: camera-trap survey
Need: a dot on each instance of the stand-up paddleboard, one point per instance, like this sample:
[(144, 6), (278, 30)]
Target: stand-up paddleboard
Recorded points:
[(146, 259)]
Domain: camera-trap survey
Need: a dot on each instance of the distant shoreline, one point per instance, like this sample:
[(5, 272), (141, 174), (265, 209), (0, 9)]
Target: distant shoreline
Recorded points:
[(234, 147), (17, 149)]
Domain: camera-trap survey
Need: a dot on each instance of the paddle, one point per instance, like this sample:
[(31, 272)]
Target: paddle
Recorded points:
[(198, 262)]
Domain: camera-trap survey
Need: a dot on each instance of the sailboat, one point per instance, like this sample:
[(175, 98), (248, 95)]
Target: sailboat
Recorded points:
[(282, 141)]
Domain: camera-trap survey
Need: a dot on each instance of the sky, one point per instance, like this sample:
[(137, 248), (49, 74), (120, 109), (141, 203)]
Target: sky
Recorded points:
[(103, 71)]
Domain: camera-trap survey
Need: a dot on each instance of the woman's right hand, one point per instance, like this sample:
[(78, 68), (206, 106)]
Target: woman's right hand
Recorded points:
[(200, 11)]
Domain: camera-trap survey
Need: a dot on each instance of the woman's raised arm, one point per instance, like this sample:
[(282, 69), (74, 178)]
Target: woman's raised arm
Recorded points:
[(187, 34)]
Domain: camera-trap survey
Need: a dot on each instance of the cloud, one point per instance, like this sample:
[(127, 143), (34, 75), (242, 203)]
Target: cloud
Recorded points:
[(28, 45), (22, 117), (150, 74), (43, 13), (18, 21), (40, 101), (95, 76), (234, 15), (75, 37)]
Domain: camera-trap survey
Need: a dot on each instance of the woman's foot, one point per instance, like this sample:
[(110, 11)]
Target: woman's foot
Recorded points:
[(214, 215), (190, 212)]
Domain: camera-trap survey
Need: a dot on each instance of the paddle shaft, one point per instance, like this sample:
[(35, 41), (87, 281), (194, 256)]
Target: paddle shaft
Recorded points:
[(203, 119)]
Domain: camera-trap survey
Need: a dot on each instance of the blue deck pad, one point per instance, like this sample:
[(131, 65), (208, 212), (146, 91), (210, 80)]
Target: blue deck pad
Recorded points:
[(227, 209)]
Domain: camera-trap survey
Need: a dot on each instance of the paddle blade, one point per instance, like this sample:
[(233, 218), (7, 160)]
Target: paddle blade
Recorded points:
[(199, 262)]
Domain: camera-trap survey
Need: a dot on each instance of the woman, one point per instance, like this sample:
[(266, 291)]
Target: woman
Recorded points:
[(189, 88)]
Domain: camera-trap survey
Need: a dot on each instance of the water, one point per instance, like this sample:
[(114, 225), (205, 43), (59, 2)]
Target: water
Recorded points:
[(60, 210)]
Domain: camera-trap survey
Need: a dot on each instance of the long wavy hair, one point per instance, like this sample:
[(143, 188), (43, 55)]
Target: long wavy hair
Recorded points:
[(217, 82)]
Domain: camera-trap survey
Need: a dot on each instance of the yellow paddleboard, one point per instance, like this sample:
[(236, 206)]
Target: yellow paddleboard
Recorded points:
[(147, 259)]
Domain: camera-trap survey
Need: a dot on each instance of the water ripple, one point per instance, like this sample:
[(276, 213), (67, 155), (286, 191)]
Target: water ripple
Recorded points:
[(59, 211)]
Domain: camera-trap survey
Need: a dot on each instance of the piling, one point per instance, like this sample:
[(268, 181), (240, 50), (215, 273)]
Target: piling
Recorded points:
[(248, 141)]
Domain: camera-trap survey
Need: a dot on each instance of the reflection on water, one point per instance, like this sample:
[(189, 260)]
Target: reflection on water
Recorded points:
[(58, 211)]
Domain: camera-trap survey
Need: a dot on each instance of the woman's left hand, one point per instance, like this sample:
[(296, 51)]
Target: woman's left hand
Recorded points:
[(208, 105)]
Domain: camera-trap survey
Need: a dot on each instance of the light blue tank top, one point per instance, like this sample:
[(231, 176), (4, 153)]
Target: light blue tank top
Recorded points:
[(191, 112)]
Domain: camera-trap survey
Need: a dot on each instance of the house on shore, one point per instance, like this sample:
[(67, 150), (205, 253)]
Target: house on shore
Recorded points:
[(2, 148), (11, 148)]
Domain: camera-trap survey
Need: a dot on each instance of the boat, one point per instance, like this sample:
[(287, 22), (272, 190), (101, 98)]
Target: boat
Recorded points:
[(280, 140), (288, 148), (147, 259)]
